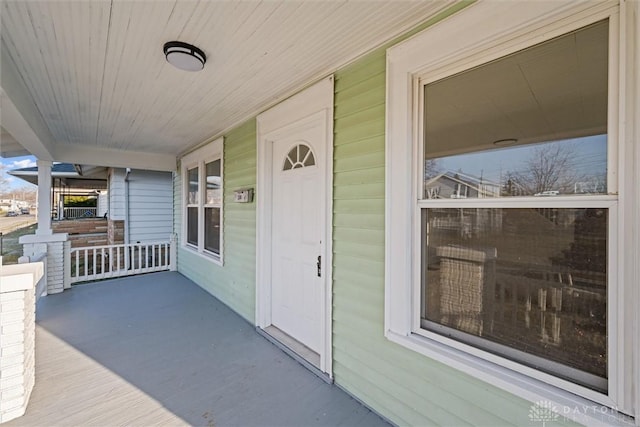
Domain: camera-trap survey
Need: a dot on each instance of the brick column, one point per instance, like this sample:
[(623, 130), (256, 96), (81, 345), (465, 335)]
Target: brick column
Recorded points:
[(17, 337), (53, 245)]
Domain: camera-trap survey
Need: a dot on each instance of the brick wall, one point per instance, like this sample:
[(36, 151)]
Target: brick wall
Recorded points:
[(80, 226), (115, 232), (84, 232), (17, 349)]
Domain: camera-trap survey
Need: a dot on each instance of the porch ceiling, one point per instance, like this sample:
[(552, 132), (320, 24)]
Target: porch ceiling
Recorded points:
[(96, 73)]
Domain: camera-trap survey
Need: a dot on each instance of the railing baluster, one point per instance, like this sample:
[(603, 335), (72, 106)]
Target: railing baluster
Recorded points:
[(166, 255), (153, 255), (86, 262), (77, 263), (102, 261), (118, 258), (94, 261)]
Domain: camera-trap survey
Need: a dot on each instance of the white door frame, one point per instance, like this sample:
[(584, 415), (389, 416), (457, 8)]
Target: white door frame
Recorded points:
[(309, 104)]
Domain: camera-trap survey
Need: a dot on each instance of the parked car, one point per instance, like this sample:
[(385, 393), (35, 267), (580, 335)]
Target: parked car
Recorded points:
[(12, 213), (548, 193), (25, 211)]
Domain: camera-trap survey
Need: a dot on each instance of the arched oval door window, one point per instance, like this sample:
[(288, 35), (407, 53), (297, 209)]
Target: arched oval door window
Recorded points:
[(299, 156)]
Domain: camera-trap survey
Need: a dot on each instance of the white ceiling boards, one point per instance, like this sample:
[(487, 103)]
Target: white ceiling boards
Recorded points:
[(97, 72)]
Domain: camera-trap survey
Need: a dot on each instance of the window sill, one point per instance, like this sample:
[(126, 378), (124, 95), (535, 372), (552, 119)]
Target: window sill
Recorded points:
[(208, 256), (566, 404)]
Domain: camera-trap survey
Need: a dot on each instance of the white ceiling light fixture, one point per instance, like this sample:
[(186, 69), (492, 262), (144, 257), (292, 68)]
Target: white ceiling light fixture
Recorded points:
[(184, 56)]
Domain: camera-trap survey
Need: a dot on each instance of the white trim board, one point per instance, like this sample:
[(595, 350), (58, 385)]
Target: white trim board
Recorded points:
[(314, 103)]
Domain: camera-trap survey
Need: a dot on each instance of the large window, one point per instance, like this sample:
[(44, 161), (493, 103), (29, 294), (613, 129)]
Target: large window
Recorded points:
[(528, 284), (202, 174), (506, 199)]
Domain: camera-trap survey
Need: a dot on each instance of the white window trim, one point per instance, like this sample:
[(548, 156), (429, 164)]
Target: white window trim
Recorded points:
[(199, 158), (450, 51)]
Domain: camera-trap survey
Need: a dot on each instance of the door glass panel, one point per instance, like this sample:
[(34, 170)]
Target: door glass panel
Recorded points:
[(298, 157)]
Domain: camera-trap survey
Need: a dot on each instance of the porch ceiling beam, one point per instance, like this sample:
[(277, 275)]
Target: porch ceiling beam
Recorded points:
[(86, 155), (20, 115)]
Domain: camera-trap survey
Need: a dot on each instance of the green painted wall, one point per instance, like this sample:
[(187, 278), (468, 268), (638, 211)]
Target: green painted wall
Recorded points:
[(233, 283), (402, 385)]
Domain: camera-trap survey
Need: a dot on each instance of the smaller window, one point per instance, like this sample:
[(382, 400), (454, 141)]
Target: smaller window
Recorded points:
[(203, 200), (192, 207), (212, 206), (299, 157)]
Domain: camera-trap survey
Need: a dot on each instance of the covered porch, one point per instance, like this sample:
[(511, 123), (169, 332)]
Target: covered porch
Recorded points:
[(157, 349)]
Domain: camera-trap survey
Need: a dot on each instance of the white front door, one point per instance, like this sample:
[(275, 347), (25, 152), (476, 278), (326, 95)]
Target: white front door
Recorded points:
[(298, 212)]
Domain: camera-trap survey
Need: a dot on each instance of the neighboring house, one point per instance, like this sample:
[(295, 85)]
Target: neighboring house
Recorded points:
[(143, 200), (456, 185), (71, 180), (136, 205), (306, 211)]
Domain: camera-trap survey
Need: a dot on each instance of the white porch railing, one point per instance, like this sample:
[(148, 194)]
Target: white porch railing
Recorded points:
[(104, 262), (73, 212)]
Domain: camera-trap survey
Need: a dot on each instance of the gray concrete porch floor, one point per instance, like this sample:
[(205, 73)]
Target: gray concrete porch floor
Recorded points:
[(158, 350)]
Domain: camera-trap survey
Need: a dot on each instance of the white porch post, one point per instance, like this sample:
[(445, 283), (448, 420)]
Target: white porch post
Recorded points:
[(44, 198), (44, 241)]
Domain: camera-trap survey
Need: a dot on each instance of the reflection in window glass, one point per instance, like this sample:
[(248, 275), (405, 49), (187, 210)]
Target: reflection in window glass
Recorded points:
[(214, 183), (192, 176), (547, 103), (528, 284), (212, 230), (577, 166), (192, 225)]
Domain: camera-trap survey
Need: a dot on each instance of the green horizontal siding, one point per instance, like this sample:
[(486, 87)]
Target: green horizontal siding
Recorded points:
[(234, 282), (402, 385)]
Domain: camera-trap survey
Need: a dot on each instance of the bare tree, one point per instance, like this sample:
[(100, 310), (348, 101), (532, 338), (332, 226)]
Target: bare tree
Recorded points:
[(549, 168), (432, 168), (4, 180)]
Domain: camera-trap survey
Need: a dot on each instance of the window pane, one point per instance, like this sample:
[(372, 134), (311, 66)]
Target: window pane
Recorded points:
[(548, 104), (212, 230), (192, 225), (528, 284), (214, 183), (192, 176)]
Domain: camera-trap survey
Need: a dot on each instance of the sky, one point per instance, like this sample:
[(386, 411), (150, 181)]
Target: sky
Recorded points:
[(16, 163), (590, 158)]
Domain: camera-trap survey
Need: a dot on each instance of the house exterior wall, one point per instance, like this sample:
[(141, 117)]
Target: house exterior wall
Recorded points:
[(116, 194), (400, 384), (404, 386), (150, 206), (234, 282)]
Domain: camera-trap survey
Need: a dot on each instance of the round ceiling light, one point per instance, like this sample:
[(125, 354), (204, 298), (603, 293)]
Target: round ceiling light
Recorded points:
[(506, 141), (184, 56)]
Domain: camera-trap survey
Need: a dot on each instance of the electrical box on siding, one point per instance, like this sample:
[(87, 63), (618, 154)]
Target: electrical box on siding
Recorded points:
[(243, 196)]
